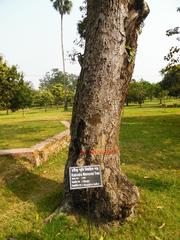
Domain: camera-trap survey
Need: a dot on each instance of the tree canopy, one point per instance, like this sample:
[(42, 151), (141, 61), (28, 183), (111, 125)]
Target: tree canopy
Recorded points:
[(15, 93), (171, 81), (53, 81), (173, 56), (62, 6)]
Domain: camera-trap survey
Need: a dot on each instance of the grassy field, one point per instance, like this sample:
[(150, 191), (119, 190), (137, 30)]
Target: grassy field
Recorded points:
[(150, 154), (18, 130)]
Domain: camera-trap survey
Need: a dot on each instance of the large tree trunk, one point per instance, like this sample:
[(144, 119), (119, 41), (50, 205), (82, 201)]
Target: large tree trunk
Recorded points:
[(111, 44)]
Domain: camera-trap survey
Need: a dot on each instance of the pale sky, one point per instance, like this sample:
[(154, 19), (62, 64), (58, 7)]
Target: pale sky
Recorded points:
[(30, 37)]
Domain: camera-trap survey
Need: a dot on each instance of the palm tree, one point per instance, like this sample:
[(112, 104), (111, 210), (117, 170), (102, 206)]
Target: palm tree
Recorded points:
[(63, 7)]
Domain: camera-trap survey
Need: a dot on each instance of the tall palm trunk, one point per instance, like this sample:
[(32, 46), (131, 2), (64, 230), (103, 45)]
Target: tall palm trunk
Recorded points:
[(64, 69)]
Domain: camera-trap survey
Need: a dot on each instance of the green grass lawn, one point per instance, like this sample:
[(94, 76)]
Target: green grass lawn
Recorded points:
[(18, 131), (150, 154)]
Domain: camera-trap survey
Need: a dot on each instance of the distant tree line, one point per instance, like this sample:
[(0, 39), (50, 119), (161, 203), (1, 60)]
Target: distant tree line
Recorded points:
[(141, 90), (16, 93), (51, 90)]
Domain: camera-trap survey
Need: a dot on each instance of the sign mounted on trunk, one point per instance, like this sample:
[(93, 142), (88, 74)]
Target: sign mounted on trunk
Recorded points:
[(85, 177)]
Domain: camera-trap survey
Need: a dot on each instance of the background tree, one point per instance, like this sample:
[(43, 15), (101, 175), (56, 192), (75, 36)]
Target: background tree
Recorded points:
[(23, 97), (174, 53), (171, 81), (44, 99), (10, 80), (148, 89), (53, 77), (54, 82), (106, 71), (137, 92), (163, 95), (63, 7), (57, 91)]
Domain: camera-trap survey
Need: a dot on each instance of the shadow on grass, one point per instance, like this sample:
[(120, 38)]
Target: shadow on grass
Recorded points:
[(151, 141), (144, 105), (44, 193), (59, 228), (151, 184), (25, 236)]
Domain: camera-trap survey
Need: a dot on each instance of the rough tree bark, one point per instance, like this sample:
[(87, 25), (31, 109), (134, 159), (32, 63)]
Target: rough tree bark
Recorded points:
[(111, 43)]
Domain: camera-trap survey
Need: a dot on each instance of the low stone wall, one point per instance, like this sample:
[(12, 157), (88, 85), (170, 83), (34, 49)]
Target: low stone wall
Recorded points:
[(41, 151)]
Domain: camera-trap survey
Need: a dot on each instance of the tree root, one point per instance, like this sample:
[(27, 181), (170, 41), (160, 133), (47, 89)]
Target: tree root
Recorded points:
[(62, 210)]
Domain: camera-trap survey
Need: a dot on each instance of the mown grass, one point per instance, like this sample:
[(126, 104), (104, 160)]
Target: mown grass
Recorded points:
[(149, 156), (18, 130)]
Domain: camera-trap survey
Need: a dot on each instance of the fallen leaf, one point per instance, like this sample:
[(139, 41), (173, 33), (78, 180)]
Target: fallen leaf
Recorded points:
[(51, 163), (159, 207), (157, 238), (37, 216), (162, 225), (58, 234)]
